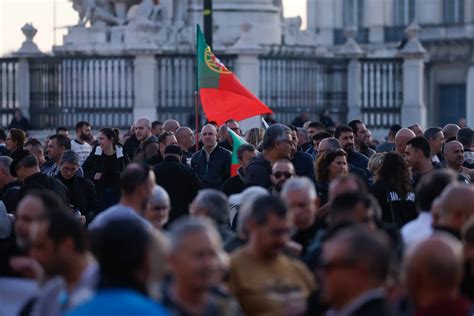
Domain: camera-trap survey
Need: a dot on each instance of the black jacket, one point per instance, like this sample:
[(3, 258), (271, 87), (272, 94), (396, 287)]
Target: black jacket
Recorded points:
[(95, 163), (40, 181), (258, 173), (17, 155), (357, 159), (226, 145), (10, 195), (235, 184), (304, 165), (374, 307), (216, 171), (82, 195), (23, 124), (130, 146), (181, 183)]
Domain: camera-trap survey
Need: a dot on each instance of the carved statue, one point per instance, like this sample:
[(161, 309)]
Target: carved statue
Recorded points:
[(110, 12)]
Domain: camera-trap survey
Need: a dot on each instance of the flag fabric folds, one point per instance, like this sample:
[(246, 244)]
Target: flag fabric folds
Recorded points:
[(223, 96), (237, 141)]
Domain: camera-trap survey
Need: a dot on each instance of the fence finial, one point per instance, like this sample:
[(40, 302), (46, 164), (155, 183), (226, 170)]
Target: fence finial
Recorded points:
[(351, 47), (413, 47), (28, 47)]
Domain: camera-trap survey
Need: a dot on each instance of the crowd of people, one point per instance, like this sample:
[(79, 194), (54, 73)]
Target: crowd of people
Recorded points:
[(317, 221)]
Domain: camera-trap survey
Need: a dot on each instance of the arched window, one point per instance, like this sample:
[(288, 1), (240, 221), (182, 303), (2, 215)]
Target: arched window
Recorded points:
[(453, 11), (353, 12), (404, 11)]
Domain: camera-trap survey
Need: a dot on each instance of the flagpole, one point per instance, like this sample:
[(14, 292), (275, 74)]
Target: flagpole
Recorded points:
[(196, 92)]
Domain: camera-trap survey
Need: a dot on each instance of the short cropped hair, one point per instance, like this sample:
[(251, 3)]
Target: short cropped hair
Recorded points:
[(317, 125), (273, 134), (81, 124), (431, 132), (243, 148), (133, 176), (464, 136), (70, 156), (342, 129), (265, 206), (188, 225), (216, 204), (27, 162), (63, 141), (431, 186), (422, 144)]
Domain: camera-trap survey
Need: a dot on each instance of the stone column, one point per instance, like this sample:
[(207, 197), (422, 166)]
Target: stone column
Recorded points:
[(352, 51), (470, 96), (247, 69), (413, 108), (145, 69), (429, 12), (28, 49), (324, 16), (374, 19)]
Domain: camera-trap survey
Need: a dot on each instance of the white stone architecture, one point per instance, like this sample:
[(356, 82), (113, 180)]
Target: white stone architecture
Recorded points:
[(447, 31)]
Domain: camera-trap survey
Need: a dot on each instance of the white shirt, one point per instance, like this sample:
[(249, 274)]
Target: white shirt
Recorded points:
[(418, 229), (83, 150)]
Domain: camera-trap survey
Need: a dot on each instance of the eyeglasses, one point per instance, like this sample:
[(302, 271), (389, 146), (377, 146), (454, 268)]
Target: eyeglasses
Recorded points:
[(285, 174)]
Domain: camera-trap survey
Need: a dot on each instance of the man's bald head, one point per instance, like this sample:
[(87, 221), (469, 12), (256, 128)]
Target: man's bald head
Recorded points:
[(451, 145), (450, 131), (457, 206), (171, 126), (454, 154), (402, 137), (434, 267)]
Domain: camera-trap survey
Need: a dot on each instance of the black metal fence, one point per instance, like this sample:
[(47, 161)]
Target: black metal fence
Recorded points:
[(290, 85), (177, 84), (382, 92), (8, 89), (65, 90)]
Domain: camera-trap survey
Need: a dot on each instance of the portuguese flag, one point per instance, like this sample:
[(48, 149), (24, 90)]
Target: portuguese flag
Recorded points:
[(223, 97), (237, 141)]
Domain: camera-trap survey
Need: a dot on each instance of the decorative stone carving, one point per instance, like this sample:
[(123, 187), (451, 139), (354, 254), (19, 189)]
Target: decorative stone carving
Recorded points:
[(293, 35), (28, 47)]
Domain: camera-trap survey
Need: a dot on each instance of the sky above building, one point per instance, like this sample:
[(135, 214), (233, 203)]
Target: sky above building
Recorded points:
[(45, 14)]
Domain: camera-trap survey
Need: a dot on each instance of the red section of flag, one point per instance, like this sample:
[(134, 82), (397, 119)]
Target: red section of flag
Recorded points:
[(233, 170), (221, 105)]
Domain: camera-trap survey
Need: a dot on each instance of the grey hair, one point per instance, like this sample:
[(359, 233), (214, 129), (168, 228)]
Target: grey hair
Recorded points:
[(273, 134), (70, 156), (5, 163), (188, 225), (146, 120), (159, 196), (333, 143), (216, 204), (249, 196), (299, 184)]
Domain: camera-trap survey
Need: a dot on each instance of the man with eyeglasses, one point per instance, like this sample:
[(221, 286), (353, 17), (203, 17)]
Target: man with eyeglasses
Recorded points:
[(362, 257), (282, 171), (262, 278), (81, 191), (277, 144)]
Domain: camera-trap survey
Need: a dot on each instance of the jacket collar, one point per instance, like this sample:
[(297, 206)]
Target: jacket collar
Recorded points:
[(118, 151)]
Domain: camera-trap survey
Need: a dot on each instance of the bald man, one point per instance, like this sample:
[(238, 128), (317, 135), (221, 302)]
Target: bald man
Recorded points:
[(186, 140), (148, 143), (212, 162), (450, 131), (456, 206), (171, 126), (402, 137), (433, 270), (416, 128), (454, 157)]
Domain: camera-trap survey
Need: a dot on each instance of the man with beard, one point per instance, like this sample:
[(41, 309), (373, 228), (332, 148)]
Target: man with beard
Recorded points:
[(137, 183), (80, 145), (148, 143), (345, 135), (282, 171), (454, 157), (360, 136)]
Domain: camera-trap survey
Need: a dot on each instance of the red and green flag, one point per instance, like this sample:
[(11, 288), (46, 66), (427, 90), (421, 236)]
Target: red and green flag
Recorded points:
[(237, 141), (223, 96)]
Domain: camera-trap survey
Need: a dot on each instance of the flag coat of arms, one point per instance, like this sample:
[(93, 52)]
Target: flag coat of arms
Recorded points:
[(223, 96)]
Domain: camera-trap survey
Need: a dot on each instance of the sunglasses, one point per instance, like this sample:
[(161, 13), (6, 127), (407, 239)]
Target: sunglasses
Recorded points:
[(285, 174)]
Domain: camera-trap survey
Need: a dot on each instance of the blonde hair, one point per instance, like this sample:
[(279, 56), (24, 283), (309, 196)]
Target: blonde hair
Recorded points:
[(254, 136), (375, 164)]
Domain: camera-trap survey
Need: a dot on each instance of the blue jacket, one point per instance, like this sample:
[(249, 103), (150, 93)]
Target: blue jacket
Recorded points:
[(119, 302), (216, 171)]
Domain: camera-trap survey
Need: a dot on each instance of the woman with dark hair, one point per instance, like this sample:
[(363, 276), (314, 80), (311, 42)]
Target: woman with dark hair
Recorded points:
[(332, 164), (14, 142), (104, 166), (394, 191)]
